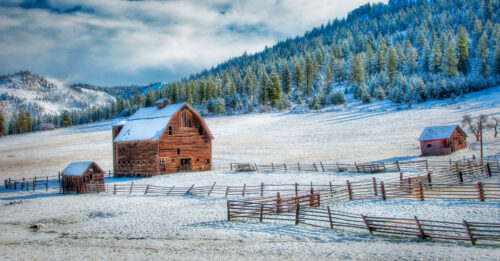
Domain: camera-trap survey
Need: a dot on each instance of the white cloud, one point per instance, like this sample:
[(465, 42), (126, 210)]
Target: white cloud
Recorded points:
[(127, 42)]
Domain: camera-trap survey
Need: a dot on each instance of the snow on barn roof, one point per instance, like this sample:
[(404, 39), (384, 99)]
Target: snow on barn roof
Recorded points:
[(147, 123), (438, 132), (77, 168)]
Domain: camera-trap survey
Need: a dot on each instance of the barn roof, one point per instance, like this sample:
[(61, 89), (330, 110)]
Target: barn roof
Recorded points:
[(148, 123), (77, 168), (439, 132)]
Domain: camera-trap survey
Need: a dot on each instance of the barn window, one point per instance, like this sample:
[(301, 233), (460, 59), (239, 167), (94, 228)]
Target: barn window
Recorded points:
[(169, 130), (197, 160), (429, 145), (143, 162), (185, 121), (207, 161), (200, 130), (163, 161), (90, 177), (178, 151), (459, 142)]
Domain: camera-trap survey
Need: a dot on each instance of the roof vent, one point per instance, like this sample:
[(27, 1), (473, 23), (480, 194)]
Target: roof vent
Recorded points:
[(162, 103)]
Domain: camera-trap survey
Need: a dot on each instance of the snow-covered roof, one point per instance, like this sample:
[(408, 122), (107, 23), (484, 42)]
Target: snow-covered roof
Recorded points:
[(148, 123), (438, 132), (76, 168)]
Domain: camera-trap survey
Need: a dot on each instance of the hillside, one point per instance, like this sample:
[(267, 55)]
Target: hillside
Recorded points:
[(41, 96)]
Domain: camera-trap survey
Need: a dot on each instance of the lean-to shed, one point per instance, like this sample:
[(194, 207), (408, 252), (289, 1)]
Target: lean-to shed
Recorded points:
[(77, 175)]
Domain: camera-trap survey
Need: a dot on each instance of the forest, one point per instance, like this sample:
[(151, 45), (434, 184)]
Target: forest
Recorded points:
[(407, 51)]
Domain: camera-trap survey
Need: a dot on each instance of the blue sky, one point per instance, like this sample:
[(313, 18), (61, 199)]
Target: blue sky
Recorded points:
[(113, 42)]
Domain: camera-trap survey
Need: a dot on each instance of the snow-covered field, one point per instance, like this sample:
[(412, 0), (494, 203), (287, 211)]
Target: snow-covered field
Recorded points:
[(190, 227)]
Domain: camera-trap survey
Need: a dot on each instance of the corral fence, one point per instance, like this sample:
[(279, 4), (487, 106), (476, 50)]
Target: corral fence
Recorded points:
[(296, 213)]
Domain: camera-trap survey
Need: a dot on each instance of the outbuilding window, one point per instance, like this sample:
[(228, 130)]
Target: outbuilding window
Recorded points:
[(169, 130), (429, 145), (207, 161), (178, 151)]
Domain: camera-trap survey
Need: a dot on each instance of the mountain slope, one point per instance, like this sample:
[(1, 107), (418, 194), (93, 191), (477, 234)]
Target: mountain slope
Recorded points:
[(44, 96)]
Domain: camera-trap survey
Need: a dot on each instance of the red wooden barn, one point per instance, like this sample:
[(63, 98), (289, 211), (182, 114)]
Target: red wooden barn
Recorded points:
[(77, 175), (162, 139), (442, 140)]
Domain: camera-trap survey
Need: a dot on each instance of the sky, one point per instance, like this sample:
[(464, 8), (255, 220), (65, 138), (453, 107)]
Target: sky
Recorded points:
[(116, 42)]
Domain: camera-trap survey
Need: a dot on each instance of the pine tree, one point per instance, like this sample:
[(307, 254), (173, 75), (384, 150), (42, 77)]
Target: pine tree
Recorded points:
[(149, 101), (357, 70), (392, 62), (482, 55), (463, 49), (436, 56), (497, 58), (3, 127), (381, 56), (487, 9), (264, 85), (450, 61), (338, 70), (274, 91), (66, 120), (286, 78), (297, 77), (309, 74)]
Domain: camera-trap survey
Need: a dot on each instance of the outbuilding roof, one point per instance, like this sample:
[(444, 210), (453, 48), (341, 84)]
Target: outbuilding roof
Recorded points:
[(77, 168), (439, 132), (148, 123)]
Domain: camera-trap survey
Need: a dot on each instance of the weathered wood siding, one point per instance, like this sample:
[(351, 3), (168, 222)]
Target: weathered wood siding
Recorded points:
[(188, 141), (136, 158), (78, 184)]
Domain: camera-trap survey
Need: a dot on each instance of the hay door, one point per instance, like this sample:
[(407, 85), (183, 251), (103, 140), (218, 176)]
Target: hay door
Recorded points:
[(185, 165)]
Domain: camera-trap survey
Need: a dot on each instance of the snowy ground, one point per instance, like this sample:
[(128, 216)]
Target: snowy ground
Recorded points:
[(190, 227)]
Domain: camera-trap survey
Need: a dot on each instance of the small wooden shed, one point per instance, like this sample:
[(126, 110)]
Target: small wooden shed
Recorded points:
[(77, 175), (442, 140)]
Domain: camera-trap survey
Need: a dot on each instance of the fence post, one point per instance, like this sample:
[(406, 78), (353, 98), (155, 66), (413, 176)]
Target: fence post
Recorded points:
[(469, 233), (261, 216), (114, 188), (311, 197), (400, 176), (429, 179), (316, 167), (297, 214), (399, 167), (374, 186), (382, 190), (356, 165), (480, 191), (421, 190), (349, 190), (59, 177), (460, 177), (272, 164), (34, 184), (296, 189), (228, 211), (262, 189), (210, 191), (338, 167), (322, 167), (243, 192), (47, 184), (298, 165), (227, 191), (131, 186), (231, 166), (366, 223), (488, 169), (278, 203), (420, 230), (286, 169), (329, 216), (256, 168), (331, 190), (426, 165), (147, 188)]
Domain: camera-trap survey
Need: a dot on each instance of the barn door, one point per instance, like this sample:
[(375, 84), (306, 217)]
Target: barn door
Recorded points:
[(185, 165), (163, 165)]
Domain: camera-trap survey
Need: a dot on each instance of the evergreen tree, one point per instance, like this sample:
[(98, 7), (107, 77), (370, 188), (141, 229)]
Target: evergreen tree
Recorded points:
[(297, 77), (436, 56), (149, 100), (392, 62), (274, 91), (309, 74), (357, 70), (338, 70), (381, 56), (463, 49), (264, 85), (66, 120), (286, 78), (487, 9), (482, 55), (450, 61)]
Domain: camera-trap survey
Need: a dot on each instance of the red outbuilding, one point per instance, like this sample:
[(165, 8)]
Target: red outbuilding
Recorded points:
[(442, 140)]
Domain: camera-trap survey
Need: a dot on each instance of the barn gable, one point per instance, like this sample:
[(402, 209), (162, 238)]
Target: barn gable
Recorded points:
[(76, 168)]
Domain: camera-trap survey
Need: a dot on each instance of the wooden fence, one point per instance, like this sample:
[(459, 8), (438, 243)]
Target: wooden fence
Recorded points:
[(395, 226)]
